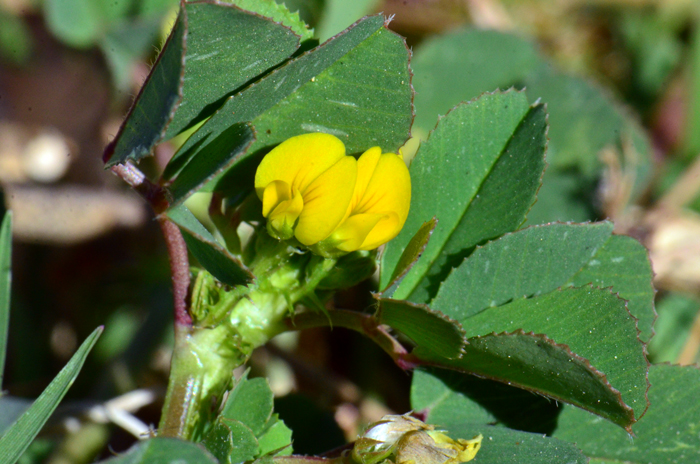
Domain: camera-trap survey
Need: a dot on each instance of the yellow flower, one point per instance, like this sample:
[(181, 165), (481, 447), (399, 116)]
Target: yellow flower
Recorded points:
[(301, 182), (313, 191), (379, 205)]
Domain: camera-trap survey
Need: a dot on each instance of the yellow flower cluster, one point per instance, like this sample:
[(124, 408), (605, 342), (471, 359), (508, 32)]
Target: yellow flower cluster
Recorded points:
[(329, 201)]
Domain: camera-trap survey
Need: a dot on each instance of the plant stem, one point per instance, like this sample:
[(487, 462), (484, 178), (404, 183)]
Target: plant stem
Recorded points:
[(359, 322), (177, 250), (187, 379), (180, 271), (200, 374), (181, 387), (153, 194)]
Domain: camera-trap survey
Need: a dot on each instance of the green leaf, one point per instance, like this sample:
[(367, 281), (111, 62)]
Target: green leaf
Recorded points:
[(504, 446), (483, 163), (277, 436), (246, 427), (532, 262), (18, 437), (540, 259), (250, 402), (461, 65), (668, 433), (155, 104), (162, 450), (623, 264), (218, 155), (588, 355), (11, 409), (278, 13), (5, 285), (222, 36), (210, 254), (529, 262), (231, 442), (452, 397), (410, 255), (215, 36), (430, 330), (324, 90)]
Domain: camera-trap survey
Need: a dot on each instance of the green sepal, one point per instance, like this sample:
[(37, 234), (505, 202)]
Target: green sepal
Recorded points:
[(211, 300)]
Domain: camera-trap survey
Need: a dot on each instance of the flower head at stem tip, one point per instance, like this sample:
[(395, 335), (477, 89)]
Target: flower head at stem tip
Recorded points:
[(329, 201)]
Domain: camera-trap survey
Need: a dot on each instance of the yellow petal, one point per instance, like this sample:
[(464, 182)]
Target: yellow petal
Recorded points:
[(389, 189), (282, 206), (365, 169), (298, 161), (326, 201), (466, 449), (389, 193), (386, 229), (350, 235), (274, 193)]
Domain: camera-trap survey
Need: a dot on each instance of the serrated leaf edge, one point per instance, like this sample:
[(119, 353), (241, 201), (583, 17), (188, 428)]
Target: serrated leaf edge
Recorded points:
[(629, 412), (379, 299), (489, 242), (469, 102), (546, 164), (651, 277), (111, 146), (638, 333)]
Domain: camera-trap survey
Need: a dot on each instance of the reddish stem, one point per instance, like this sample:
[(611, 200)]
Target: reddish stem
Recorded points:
[(359, 322), (155, 195), (179, 270)]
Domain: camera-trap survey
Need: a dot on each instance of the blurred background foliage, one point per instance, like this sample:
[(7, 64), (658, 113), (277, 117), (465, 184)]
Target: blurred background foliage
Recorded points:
[(621, 79)]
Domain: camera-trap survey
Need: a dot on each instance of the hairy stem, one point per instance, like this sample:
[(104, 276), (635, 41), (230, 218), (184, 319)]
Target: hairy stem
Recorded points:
[(177, 250), (359, 322), (179, 270), (179, 413)]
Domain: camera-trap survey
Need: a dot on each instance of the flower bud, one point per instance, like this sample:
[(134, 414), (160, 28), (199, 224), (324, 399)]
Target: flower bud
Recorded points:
[(407, 440)]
